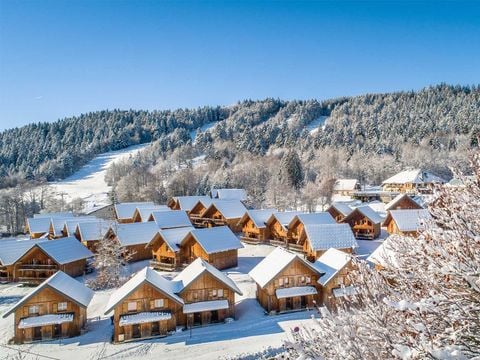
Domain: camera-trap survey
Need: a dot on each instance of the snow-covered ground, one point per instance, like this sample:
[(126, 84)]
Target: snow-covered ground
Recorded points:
[(89, 183), (313, 127), (203, 128)]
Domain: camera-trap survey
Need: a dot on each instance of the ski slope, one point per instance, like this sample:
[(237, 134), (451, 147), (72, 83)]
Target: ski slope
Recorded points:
[(88, 183)]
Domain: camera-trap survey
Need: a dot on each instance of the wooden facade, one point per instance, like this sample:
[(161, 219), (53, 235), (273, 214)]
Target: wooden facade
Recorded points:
[(403, 203), (191, 249), (362, 226), (145, 299), (213, 217), (340, 279), (278, 233), (195, 215), (47, 302), (296, 274), (163, 257), (253, 234)]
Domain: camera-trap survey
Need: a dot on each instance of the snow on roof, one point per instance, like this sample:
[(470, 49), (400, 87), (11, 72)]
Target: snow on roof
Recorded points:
[(173, 237), (259, 217), (63, 284), (417, 176), (94, 230), (295, 291), (197, 268), (284, 217), (345, 185), (397, 199), (378, 207), (13, 249), (410, 219), (313, 218), (383, 254), (135, 233), (326, 236), (44, 320), (205, 306), (65, 214), (71, 223), (146, 275), (65, 250), (230, 194), (273, 264), (330, 263), (146, 211), (230, 209), (126, 210), (368, 212), (171, 219), (39, 225), (144, 317), (188, 202), (216, 239), (342, 208)]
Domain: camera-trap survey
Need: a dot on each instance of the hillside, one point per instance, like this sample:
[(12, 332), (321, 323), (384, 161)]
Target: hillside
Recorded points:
[(441, 117)]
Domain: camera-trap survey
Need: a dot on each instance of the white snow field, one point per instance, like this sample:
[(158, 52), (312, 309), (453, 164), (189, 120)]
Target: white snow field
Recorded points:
[(89, 183), (313, 127), (251, 332)]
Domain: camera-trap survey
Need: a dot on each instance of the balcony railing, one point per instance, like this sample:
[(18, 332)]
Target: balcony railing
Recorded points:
[(295, 247), (250, 240), (37, 267), (159, 265), (280, 243)]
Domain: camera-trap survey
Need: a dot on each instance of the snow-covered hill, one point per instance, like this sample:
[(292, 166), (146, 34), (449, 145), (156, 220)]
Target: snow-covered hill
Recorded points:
[(89, 182)]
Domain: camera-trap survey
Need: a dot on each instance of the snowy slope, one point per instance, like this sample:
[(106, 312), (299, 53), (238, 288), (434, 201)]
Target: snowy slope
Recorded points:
[(202, 128), (313, 127), (89, 183)]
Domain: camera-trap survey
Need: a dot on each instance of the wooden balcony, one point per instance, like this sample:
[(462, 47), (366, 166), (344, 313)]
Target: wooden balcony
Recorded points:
[(279, 243), (163, 266), (295, 247), (38, 267), (250, 240)]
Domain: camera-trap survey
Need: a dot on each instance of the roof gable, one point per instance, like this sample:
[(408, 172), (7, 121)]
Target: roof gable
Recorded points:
[(258, 217), (171, 219), (173, 237), (410, 219), (326, 236), (94, 230), (342, 208), (214, 240), (13, 249), (312, 218), (126, 210), (188, 202), (367, 212), (283, 217), (230, 209), (401, 197), (39, 225), (144, 212), (331, 263)]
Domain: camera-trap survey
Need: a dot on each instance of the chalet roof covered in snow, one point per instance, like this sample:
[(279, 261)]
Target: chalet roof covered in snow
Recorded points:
[(229, 194), (39, 225), (71, 224), (259, 217), (135, 233), (146, 211), (409, 219), (345, 185), (326, 236), (416, 176), (13, 249), (330, 263), (397, 199), (94, 230), (273, 264), (199, 267), (384, 254), (65, 214), (63, 284), (342, 208), (148, 276), (230, 209), (295, 291), (126, 210), (188, 202), (64, 250), (205, 306), (368, 212), (284, 217), (313, 218), (216, 239), (173, 237), (171, 219)]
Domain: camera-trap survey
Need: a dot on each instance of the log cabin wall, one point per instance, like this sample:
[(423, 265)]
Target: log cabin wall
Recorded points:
[(35, 266), (139, 252), (406, 203), (161, 253), (143, 300), (190, 250), (276, 231), (224, 260), (206, 288), (251, 231), (341, 278), (362, 227), (295, 274), (47, 301), (337, 215), (295, 231), (75, 268)]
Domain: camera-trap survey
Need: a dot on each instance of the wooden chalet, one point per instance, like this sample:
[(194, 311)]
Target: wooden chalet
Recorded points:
[(229, 194), (165, 247), (33, 261), (146, 306), (346, 187), (124, 212), (412, 181), (221, 213), (170, 219), (298, 223), (364, 222), (57, 308), (218, 246), (339, 211), (207, 293), (90, 233), (70, 225), (316, 239), (277, 227), (402, 202), (335, 265), (384, 255), (286, 282), (133, 238), (143, 213), (186, 203), (197, 210), (406, 222), (254, 229)]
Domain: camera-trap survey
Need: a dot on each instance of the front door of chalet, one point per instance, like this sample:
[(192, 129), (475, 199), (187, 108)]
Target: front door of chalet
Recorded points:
[(303, 302), (136, 333), (197, 318), (288, 303), (155, 328), (37, 333), (214, 316), (57, 330)]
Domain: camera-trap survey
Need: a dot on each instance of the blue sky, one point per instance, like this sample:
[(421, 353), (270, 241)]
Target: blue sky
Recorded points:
[(64, 58)]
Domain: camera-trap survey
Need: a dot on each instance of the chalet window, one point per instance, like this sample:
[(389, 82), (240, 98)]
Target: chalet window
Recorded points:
[(62, 306), (132, 306), (214, 293), (308, 280), (286, 281), (159, 303), (33, 309), (220, 292), (280, 281), (302, 279)]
